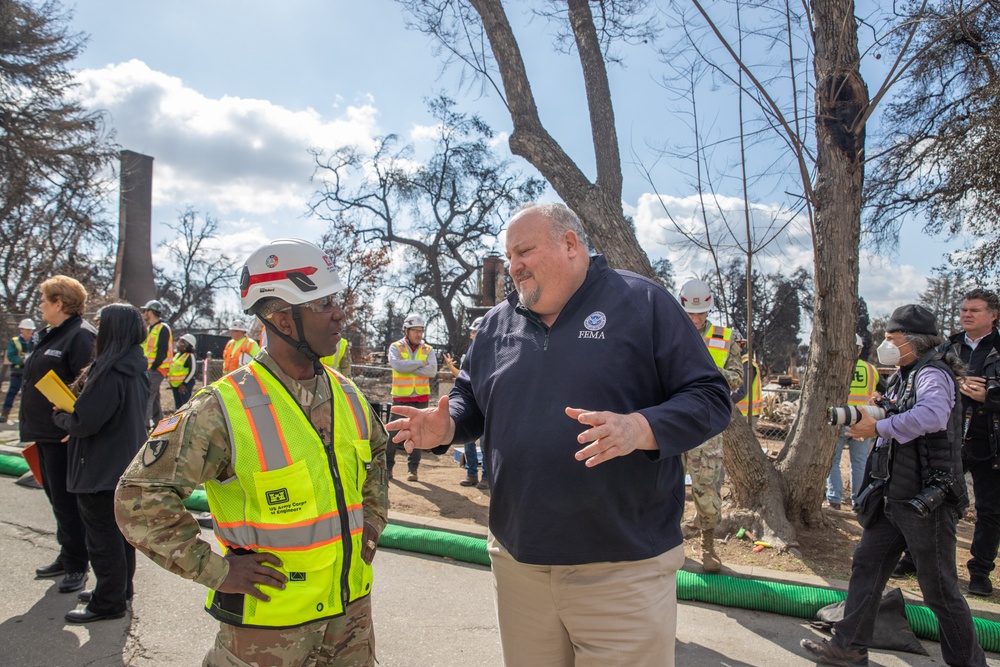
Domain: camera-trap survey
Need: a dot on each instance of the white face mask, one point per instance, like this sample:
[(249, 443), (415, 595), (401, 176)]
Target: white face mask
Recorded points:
[(888, 354)]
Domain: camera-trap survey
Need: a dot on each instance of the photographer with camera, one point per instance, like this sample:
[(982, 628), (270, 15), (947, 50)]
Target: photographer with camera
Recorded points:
[(914, 496)]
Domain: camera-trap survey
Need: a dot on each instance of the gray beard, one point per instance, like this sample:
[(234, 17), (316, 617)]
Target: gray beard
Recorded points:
[(529, 299)]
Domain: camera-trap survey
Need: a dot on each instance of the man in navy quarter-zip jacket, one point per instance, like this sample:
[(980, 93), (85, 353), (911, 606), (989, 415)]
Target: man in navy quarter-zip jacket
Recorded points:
[(588, 384)]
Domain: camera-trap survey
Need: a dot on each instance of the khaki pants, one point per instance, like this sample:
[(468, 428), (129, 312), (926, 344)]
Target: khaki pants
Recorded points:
[(597, 614), (345, 641)]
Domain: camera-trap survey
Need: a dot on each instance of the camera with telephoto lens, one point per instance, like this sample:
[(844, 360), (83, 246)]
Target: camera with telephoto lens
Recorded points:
[(939, 486), (849, 415)]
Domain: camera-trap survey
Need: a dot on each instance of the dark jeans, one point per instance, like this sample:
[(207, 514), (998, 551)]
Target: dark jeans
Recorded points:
[(986, 536), (472, 461), (15, 386), (154, 412), (69, 526), (182, 398), (413, 458), (931, 541), (111, 557)]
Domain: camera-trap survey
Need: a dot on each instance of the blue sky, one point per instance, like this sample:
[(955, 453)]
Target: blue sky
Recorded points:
[(229, 96)]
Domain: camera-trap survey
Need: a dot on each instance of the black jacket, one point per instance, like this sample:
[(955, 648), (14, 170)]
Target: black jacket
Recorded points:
[(66, 349), (107, 425)]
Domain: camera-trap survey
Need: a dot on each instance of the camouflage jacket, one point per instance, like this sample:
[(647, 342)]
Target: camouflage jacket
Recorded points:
[(150, 496)]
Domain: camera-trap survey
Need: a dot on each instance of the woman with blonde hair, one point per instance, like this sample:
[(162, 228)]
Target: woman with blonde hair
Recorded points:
[(65, 346)]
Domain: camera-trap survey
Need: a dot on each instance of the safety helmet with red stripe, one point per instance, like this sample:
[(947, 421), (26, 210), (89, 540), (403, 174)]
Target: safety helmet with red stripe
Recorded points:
[(292, 270), (696, 297)]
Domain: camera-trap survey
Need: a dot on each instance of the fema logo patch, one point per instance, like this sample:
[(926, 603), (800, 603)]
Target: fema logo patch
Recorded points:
[(271, 261), (595, 321)]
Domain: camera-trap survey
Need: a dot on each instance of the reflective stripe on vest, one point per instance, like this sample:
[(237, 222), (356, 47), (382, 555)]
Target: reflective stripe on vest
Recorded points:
[(408, 384), (333, 361), (152, 344), (717, 339), (177, 371), (862, 383), (234, 351), (284, 499), (755, 394)]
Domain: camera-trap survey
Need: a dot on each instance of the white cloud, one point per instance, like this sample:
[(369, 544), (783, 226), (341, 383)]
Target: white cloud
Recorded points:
[(228, 155), (886, 284)]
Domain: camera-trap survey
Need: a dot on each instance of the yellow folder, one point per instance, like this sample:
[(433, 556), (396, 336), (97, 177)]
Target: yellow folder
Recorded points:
[(56, 391)]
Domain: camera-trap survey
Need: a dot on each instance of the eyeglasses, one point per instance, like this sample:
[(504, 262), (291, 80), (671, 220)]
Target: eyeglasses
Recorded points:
[(324, 304)]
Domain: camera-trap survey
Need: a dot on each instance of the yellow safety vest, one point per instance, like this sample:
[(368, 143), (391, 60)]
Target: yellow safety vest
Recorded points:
[(285, 501), (152, 343), (333, 361), (754, 394), (717, 339), (409, 384), (234, 351), (862, 383), (177, 371)]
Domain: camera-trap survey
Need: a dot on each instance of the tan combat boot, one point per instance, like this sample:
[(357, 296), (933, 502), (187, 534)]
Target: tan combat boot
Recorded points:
[(709, 560)]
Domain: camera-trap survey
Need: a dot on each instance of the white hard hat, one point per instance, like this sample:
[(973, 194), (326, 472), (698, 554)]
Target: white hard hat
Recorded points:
[(413, 320), (858, 340), (696, 297), (238, 325), (190, 340), (293, 270), (153, 305), (475, 324), (26, 324)]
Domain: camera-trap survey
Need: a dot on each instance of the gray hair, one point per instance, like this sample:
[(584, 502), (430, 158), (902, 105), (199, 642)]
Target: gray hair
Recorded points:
[(924, 342), (563, 220)]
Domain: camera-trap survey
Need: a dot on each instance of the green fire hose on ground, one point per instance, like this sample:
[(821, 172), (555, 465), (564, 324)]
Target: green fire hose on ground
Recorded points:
[(757, 595)]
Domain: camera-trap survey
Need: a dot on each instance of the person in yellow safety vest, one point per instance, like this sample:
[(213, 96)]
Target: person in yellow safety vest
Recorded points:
[(293, 461), (341, 359), (413, 364), (181, 376), (703, 464), (159, 348), (240, 348), (18, 351), (864, 382), (753, 399)]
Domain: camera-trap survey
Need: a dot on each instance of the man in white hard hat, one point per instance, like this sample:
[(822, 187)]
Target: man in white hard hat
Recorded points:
[(18, 350), (293, 462), (159, 347), (704, 463), (240, 348), (864, 382), (413, 364)]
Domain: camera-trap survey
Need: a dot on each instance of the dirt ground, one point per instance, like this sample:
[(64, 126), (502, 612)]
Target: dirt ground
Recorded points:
[(826, 551)]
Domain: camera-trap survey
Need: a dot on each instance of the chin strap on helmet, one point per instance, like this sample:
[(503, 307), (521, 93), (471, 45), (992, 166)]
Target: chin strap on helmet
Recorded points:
[(300, 345)]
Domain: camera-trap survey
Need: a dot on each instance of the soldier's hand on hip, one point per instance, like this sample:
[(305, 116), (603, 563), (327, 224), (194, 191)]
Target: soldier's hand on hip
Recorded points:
[(611, 435), (247, 571)]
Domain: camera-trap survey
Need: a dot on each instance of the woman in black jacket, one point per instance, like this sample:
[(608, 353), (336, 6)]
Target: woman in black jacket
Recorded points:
[(106, 430), (65, 346)]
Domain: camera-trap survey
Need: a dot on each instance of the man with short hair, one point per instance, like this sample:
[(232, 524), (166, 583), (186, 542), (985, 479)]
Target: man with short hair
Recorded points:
[(293, 462), (978, 344), (588, 384), (240, 349), (413, 364), (18, 350), (159, 347)]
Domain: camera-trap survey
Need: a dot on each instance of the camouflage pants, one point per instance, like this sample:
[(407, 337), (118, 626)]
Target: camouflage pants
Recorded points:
[(704, 465), (345, 641)]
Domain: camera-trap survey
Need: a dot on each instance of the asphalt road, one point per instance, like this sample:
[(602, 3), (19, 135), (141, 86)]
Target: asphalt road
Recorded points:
[(428, 612)]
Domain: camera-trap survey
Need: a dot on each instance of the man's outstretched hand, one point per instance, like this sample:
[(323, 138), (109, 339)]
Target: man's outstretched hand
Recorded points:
[(422, 428)]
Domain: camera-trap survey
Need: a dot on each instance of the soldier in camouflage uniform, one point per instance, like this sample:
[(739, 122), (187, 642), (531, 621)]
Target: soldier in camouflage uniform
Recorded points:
[(196, 446), (704, 463)]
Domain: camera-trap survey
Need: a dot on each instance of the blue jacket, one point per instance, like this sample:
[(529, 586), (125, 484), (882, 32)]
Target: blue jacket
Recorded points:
[(622, 343)]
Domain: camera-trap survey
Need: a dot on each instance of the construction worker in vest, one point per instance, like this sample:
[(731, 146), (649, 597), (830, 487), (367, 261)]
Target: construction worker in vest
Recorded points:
[(240, 348), (864, 383), (159, 348), (341, 360), (703, 464), (753, 399), (181, 376), (293, 462), (413, 364), (18, 350)]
